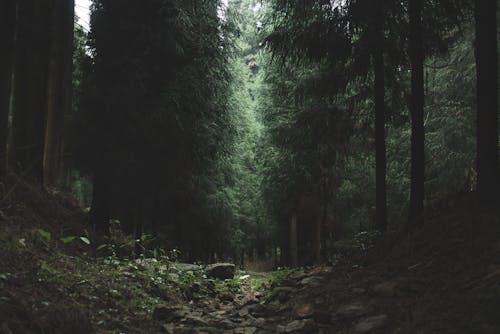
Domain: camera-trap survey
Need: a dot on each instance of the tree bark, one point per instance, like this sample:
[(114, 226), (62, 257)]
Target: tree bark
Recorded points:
[(138, 228), (59, 89), (101, 202), (488, 179), (7, 33), (380, 147), (416, 52), (31, 87), (294, 255)]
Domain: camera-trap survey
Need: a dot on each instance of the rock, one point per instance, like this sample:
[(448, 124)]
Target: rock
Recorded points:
[(194, 320), (243, 312), (168, 328), (322, 317), (371, 323), (297, 276), (311, 281), (146, 264), (208, 330), (257, 310), (259, 322), (281, 293), (185, 267), (226, 323), (303, 311), (322, 270), (280, 329), (297, 326), (388, 289), (226, 296), (245, 330), (221, 270), (169, 313), (351, 310), (359, 291)]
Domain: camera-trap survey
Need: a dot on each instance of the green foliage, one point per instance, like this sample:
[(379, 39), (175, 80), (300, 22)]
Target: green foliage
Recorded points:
[(44, 234), (67, 240), (317, 109), (204, 130)]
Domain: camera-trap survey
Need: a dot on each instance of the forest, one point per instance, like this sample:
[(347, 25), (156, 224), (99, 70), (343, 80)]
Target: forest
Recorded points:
[(249, 166)]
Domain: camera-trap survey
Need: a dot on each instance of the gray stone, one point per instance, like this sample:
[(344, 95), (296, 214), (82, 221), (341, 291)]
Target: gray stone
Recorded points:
[(221, 270), (359, 291), (312, 281), (299, 326), (169, 313), (371, 323), (245, 330), (388, 289), (351, 310), (186, 267), (168, 328), (281, 293)]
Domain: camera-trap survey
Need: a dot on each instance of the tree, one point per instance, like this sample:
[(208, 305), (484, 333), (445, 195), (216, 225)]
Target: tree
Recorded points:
[(156, 126), (416, 54), (59, 89), (379, 99), (488, 179), (7, 36), (30, 87)]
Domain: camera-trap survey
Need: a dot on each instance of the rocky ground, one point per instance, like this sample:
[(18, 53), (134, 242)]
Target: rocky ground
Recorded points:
[(55, 279), (296, 304)]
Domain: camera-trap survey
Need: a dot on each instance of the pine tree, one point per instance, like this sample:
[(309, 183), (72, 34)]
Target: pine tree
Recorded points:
[(416, 54), (488, 178)]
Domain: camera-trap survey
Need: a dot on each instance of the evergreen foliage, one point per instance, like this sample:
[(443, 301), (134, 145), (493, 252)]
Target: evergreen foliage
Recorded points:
[(243, 129)]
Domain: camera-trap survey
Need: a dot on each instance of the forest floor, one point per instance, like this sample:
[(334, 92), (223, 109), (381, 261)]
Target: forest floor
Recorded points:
[(444, 279)]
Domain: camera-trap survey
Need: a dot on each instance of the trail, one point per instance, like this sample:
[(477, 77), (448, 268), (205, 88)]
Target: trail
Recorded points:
[(316, 301)]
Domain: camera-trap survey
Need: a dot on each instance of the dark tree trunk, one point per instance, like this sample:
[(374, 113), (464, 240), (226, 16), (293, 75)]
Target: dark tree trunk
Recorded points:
[(31, 87), (416, 52), (320, 241), (59, 88), (7, 33), (488, 179), (380, 148), (101, 202), (138, 219), (294, 253)]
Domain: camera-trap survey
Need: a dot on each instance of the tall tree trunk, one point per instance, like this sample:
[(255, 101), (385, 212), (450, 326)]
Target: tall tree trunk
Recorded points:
[(319, 242), (7, 32), (488, 179), (101, 201), (380, 148), (59, 88), (294, 253), (31, 87), (138, 227), (416, 52)]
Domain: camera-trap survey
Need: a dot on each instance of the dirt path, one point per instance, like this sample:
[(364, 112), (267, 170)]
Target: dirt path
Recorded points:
[(299, 304)]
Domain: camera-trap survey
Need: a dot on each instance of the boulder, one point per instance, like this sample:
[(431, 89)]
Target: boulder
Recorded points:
[(221, 270)]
